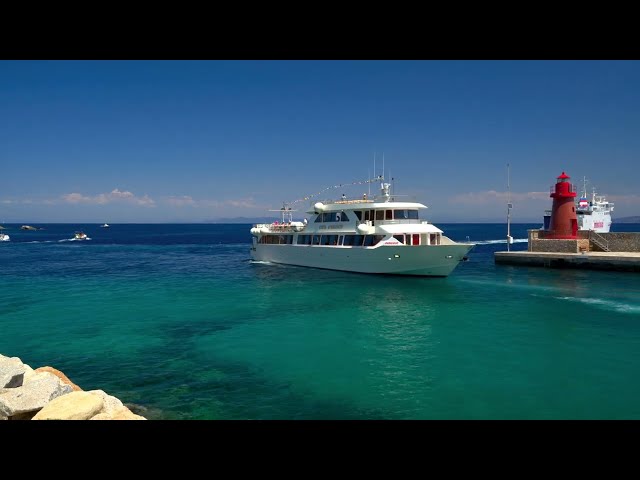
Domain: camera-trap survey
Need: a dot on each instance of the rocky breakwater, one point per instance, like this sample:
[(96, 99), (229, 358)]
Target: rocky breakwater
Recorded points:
[(47, 394)]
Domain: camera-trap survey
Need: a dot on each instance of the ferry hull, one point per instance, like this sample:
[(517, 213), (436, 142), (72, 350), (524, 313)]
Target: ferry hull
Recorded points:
[(423, 260), (597, 221)]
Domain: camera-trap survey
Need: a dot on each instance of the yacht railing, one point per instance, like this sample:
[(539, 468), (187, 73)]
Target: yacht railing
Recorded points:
[(400, 221)]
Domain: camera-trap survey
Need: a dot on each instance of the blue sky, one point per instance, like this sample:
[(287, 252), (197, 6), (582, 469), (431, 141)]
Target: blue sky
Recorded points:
[(193, 141)]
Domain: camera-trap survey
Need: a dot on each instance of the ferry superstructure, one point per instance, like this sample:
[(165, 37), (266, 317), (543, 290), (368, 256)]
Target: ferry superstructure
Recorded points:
[(379, 235), (594, 214)]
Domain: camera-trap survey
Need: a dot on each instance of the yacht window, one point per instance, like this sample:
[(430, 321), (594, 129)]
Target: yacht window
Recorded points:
[(377, 239), (412, 214), (400, 238), (379, 214), (358, 214), (357, 240), (401, 214), (416, 239), (318, 219), (316, 240), (388, 215), (344, 217), (368, 240), (348, 240)]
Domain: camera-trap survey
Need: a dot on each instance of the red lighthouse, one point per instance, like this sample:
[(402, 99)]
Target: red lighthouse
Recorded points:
[(563, 223)]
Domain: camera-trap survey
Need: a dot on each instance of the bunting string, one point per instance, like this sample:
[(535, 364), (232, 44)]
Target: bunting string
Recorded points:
[(332, 187)]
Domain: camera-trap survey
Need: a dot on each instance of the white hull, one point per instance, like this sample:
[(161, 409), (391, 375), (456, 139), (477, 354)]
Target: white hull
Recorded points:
[(599, 222), (422, 260), (4, 237)]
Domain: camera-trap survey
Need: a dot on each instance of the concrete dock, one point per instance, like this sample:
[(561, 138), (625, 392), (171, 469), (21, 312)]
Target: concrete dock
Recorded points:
[(621, 261)]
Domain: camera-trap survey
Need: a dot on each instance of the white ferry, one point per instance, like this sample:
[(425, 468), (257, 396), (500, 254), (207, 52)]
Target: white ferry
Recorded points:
[(594, 214), (378, 235)]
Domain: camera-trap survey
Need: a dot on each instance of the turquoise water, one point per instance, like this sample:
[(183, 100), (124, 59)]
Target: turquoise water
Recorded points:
[(178, 319)]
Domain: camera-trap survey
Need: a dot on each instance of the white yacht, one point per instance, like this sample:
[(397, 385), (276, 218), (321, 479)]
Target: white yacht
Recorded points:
[(4, 237), (378, 235)]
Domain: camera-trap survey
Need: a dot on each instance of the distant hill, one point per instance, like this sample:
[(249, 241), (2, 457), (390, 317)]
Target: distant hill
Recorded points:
[(635, 219)]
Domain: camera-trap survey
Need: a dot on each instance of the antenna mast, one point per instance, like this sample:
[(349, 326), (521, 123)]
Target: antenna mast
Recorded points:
[(509, 206), (374, 172)]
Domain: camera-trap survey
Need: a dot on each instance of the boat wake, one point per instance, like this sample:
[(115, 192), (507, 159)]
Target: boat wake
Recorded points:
[(260, 262), (491, 242), (605, 304), (74, 239)]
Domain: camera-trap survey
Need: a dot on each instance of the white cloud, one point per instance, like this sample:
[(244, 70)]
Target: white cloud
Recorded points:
[(624, 199), (183, 201), (189, 201), (114, 196), (245, 203), (492, 197)]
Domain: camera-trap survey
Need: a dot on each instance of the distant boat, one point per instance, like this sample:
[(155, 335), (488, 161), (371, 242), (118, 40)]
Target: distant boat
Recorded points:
[(28, 227), (4, 237), (80, 236), (106, 225)]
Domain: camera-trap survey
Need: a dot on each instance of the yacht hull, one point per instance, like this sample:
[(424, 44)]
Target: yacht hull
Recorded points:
[(421, 260)]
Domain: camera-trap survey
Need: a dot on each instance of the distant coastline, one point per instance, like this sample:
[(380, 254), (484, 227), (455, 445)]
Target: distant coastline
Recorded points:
[(633, 219)]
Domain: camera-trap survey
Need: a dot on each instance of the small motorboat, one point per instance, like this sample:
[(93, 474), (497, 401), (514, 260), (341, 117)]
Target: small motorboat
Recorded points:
[(106, 225), (4, 237), (80, 236)]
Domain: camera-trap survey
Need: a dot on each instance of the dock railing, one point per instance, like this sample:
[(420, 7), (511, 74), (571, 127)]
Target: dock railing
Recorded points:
[(599, 240)]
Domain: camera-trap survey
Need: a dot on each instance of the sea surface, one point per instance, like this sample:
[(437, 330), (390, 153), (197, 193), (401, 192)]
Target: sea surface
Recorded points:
[(177, 320)]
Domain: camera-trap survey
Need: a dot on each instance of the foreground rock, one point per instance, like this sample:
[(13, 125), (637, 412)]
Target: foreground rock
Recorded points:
[(61, 376), (37, 390), (11, 372), (74, 406), (47, 394)]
